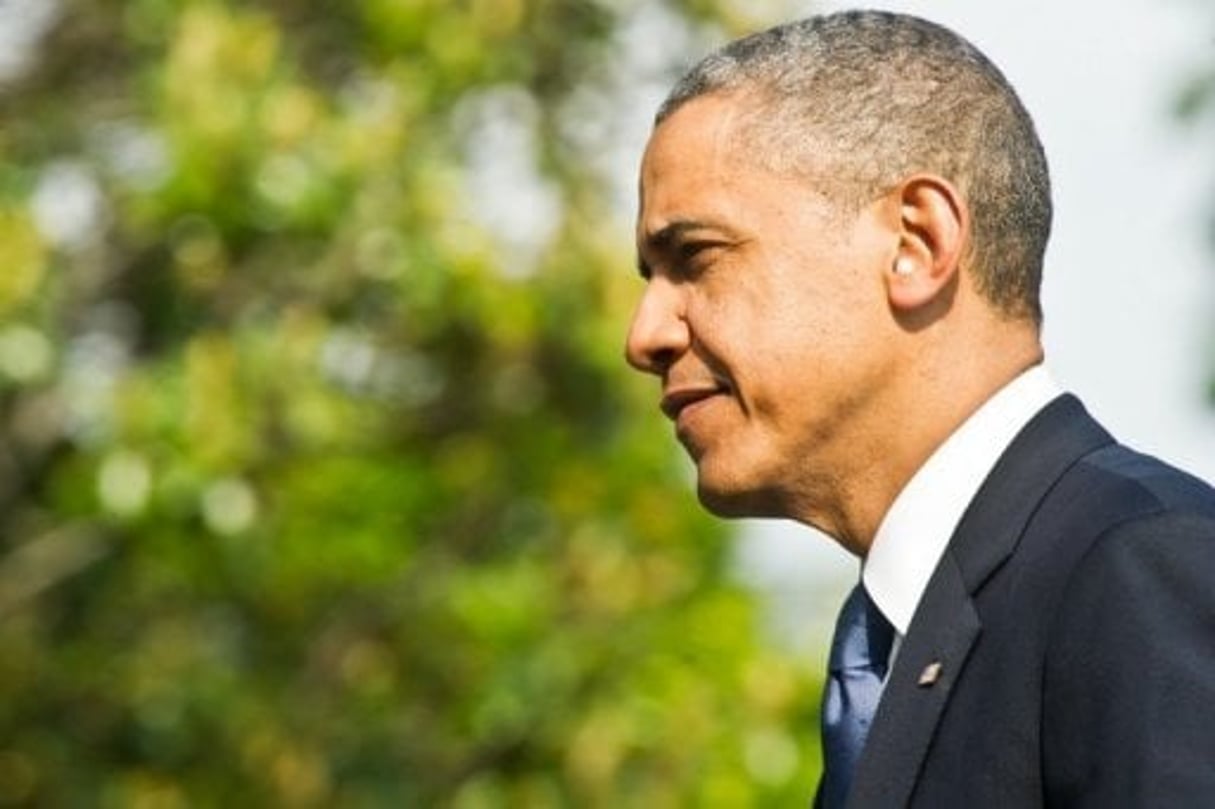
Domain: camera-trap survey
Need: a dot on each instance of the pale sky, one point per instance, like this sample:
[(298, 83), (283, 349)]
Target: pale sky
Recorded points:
[(1130, 287)]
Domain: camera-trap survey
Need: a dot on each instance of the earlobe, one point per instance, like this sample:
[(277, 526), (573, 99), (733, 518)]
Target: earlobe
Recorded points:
[(909, 286), (933, 227)]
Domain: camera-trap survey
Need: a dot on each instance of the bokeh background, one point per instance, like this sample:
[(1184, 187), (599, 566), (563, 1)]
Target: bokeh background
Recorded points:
[(322, 482)]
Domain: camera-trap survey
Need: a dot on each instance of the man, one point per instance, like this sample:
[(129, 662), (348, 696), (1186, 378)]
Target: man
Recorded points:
[(842, 225)]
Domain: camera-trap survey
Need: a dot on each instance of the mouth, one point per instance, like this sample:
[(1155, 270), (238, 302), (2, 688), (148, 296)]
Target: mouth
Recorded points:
[(677, 400)]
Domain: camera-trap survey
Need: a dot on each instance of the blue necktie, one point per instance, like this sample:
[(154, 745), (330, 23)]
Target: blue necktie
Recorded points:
[(859, 653)]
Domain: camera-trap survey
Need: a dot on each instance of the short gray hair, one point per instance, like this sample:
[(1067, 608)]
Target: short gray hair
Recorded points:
[(873, 97)]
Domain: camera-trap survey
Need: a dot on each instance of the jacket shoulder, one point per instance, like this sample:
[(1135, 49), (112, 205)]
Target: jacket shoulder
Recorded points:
[(1129, 681)]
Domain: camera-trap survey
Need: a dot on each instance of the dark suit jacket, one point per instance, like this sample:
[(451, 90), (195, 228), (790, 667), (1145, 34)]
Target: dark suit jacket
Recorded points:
[(1073, 618)]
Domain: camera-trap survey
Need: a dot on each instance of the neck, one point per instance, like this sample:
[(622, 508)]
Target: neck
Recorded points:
[(927, 403)]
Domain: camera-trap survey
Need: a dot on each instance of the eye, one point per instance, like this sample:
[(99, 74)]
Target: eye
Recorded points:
[(696, 256)]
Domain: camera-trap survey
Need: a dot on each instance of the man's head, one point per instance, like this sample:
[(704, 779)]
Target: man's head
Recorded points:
[(811, 239), (866, 98)]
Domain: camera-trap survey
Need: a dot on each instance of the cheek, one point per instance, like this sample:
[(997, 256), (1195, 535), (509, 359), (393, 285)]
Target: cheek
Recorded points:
[(719, 322), (736, 300), (802, 360)]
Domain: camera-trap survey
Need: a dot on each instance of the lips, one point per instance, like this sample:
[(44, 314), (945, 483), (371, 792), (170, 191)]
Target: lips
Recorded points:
[(675, 400)]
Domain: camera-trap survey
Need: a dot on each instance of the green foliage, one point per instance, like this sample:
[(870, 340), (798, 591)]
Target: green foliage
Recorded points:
[(318, 491)]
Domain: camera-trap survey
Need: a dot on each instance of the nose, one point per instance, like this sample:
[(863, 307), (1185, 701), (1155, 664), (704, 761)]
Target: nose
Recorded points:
[(659, 333)]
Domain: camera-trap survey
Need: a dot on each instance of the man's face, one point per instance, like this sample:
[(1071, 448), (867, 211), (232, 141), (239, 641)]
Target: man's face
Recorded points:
[(764, 315)]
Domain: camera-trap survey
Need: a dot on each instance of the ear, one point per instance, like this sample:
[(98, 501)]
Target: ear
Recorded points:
[(934, 229)]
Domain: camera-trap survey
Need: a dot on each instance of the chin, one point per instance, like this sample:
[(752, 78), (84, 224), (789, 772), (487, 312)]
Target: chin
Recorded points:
[(731, 502)]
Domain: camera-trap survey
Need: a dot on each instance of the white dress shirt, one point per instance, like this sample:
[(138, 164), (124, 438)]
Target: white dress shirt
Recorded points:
[(912, 536)]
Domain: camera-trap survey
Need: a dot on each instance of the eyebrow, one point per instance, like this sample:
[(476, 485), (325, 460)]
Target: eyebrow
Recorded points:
[(661, 240)]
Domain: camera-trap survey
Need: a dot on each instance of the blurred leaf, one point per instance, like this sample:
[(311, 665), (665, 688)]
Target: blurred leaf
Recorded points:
[(322, 480)]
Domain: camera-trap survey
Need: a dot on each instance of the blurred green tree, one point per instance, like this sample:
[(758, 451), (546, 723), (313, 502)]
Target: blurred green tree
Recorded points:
[(321, 480)]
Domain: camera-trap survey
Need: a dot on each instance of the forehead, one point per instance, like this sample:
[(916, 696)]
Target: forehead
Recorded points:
[(694, 170), (703, 166), (695, 145)]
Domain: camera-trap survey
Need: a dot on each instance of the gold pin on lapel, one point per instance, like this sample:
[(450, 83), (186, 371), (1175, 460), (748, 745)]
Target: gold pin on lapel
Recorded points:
[(930, 674)]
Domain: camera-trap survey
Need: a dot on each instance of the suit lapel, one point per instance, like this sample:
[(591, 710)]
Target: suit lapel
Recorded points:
[(946, 624), (917, 691)]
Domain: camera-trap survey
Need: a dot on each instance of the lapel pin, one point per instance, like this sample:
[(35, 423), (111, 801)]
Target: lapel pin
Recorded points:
[(930, 674)]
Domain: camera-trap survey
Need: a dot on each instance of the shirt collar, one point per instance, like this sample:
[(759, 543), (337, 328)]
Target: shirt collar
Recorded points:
[(916, 529)]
